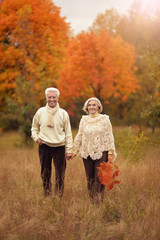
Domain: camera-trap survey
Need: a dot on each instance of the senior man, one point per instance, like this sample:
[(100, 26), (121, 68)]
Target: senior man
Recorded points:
[(51, 130)]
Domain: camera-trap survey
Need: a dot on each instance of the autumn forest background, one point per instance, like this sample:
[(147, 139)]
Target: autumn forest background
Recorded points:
[(118, 61)]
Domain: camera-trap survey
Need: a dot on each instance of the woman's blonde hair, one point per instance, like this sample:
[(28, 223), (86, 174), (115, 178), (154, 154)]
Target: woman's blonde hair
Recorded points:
[(85, 107)]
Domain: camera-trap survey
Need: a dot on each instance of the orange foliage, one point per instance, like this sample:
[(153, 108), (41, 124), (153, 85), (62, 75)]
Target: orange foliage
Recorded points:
[(156, 95), (33, 38), (108, 171), (99, 65)]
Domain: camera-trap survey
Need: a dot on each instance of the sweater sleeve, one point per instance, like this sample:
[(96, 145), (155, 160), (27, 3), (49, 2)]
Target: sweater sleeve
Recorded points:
[(68, 135), (112, 145), (78, 138), (35, 127)]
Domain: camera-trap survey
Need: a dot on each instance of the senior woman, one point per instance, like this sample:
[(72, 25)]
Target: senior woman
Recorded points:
[(95, 142)]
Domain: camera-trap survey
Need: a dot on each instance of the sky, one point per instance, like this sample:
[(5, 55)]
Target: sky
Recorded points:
[(82, 13)]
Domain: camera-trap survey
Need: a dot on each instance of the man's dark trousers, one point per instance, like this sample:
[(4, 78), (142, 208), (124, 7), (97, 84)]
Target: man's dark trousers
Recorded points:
[(46, 154)]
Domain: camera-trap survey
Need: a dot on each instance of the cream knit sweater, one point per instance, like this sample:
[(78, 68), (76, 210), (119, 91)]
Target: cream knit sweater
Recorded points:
[(52, 125), (94, 136)]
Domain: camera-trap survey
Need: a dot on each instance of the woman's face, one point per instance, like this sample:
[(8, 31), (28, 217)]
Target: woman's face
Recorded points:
[(93, 107)]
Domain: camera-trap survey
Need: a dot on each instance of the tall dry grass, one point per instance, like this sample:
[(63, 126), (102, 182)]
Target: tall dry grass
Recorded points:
[(130, 211)]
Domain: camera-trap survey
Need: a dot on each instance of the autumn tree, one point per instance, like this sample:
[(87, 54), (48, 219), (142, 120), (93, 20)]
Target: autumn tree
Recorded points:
[(109, 21), (98, 65), (139, 27), (33, 37)]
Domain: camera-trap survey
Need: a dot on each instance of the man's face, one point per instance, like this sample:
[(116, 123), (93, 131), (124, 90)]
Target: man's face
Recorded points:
[(52, 99)]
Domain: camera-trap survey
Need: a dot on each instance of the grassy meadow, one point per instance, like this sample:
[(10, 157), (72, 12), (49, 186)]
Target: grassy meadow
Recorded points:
[(130, 211)]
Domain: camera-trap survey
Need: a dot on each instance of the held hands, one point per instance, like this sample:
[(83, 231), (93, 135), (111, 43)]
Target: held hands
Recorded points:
[(70, 156)]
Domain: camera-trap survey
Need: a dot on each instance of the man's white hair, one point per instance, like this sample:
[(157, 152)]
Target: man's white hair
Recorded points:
[(52, 89)]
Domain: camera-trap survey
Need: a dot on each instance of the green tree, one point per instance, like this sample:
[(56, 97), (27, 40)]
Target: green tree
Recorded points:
[(152, 113)]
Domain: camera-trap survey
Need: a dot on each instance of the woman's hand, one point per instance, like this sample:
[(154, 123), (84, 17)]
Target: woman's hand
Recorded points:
[(110, 157), (73, 155)]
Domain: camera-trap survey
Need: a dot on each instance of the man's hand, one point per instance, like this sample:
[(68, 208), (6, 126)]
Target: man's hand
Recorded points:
[(68, 156), (39, 141)]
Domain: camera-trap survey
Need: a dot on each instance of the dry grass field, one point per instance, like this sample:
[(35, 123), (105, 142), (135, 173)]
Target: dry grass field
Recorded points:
[(130, 211)]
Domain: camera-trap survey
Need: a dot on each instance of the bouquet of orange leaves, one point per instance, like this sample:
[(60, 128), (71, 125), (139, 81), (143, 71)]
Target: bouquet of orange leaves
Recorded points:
[(107, 173)]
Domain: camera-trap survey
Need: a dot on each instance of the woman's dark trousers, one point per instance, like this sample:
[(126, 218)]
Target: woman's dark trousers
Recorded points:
[(95, 188), (46, 154)]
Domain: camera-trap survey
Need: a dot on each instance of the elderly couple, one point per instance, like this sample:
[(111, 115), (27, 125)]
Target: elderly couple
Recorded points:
[(51, 130)]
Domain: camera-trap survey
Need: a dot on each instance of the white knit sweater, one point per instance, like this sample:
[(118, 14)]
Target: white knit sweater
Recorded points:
[(52, 125), (94, 136)]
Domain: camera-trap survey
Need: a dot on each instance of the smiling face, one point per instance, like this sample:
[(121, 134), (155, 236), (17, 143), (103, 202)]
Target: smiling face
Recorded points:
[(93, 107), (52, 99)]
